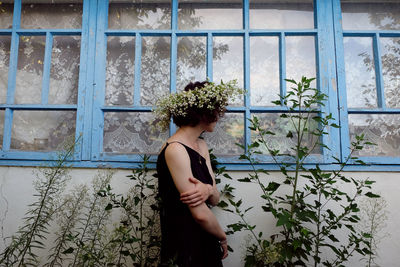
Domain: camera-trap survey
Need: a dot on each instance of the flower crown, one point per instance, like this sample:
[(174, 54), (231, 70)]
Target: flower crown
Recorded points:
[(210, 96)]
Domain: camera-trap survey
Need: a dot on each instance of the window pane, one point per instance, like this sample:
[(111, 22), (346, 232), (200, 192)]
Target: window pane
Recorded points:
[(42, 130), (6, 11), (1, 127), (155, 69), (64, 73), (360, 72), (197, 14), (120, 70), (28, 86), (300, 57), (264, 70), (191, 64), (382, 130), (48, 15), (131, 133), (228, 131), (281, 127), (5, 42), (363, 15), (228, 61), (273, 14), (391, 70), (144, 15)]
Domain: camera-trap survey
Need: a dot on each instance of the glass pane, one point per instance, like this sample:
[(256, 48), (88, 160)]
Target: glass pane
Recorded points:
[(131, 133), (281, 127), (382, 130), (28, 86), (120, 70), (364, 15), (228, 61), (145, 14), (42, 130), (64, 73), (300, 58), (1, 127), (273, 14), (197, 14), (390, 54), (45, 14), (155, 69), (6, 11), (191, 64), (228, 131), (264, 70), (360, 72), (5, 43)]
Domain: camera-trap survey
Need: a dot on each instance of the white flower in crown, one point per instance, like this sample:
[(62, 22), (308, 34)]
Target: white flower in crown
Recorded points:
[(212, 95)]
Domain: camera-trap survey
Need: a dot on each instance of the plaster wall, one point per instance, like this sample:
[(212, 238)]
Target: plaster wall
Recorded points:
[(16, 192)]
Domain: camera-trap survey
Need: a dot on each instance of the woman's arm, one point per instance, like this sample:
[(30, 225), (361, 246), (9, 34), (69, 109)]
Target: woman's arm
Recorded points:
[(202, 192), (178, 162)]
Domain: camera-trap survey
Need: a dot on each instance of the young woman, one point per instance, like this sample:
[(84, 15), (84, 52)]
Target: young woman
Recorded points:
[(191, 235)]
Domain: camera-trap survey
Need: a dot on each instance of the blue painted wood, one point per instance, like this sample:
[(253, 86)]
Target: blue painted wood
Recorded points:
[(5, 32), (99, 78), (90, 107), (85, 84), (246, 20), (326, 79), (282, 65), (341, 80), (373, 111), (46, 68), (8, 118), (42, 32), (209, 67), (124, 108), (138, 63), (12, 69), (38, 107), (371, 33), (380, 91)]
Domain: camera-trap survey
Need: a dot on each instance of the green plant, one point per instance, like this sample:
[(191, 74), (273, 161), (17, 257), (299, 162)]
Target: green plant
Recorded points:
[(137, 236), (310, 216), (374, 215), (89, 235), (29, 239)]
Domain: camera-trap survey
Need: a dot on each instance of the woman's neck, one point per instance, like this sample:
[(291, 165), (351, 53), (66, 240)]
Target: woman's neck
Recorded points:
[(188, 134)]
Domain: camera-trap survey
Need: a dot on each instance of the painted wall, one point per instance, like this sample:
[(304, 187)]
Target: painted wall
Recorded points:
[(16, 190)]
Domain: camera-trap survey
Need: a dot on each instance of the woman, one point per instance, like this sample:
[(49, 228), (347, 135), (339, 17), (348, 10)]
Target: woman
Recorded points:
[(191, 235)]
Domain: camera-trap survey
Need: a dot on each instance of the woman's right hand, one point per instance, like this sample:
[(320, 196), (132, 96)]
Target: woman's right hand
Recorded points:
[(224, 246)]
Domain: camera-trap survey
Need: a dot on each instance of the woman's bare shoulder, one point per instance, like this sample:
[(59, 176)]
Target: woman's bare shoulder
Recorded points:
[(175, 150)]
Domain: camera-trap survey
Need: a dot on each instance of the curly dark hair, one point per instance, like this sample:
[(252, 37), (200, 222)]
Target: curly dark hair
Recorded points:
[(195, 115)]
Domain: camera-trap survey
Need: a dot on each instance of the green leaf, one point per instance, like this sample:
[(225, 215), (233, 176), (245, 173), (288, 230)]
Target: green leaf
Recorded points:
[(222, 204), (109, 206), (69, 250), (372, 195), (272, 187)]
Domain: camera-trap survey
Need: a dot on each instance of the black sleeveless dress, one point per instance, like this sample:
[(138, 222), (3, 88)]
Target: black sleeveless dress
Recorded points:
[(184, 242)]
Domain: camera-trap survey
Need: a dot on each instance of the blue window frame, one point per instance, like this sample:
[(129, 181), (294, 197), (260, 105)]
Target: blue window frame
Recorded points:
[(368, 40), (118, 54)]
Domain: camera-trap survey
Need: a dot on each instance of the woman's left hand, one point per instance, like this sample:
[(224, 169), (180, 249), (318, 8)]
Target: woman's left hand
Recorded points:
[(198, 195)]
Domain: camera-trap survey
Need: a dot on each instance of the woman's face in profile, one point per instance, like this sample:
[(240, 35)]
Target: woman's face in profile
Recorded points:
[(209, 127)]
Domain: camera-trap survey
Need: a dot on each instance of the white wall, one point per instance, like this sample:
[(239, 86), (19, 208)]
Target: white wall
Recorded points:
[(16, 192)]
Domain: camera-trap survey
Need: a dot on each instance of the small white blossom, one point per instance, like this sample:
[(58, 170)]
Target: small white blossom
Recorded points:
[(209, 97)]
